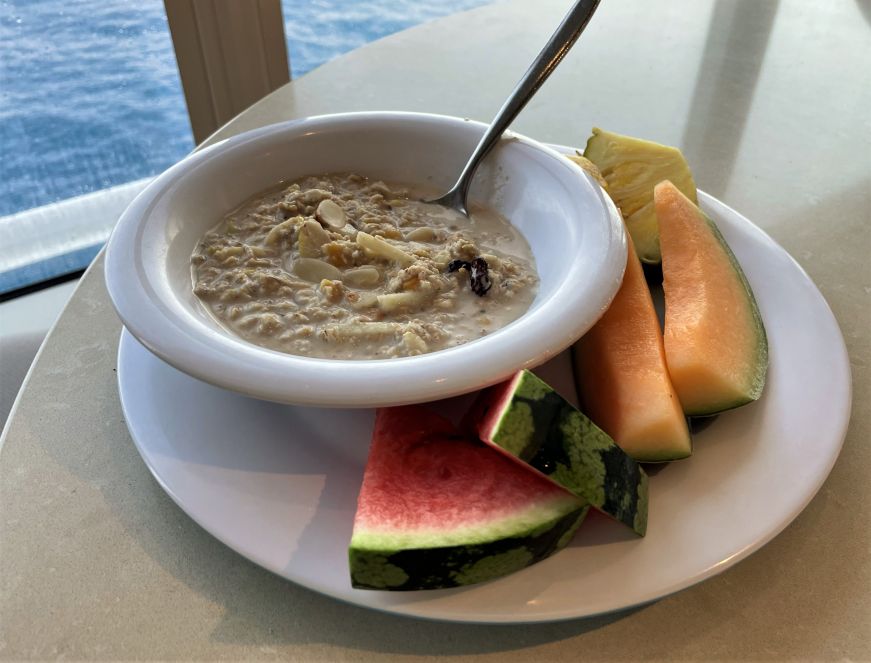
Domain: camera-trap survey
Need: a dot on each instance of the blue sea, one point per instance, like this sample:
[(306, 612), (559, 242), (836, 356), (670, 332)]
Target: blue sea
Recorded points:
[(90, 95)]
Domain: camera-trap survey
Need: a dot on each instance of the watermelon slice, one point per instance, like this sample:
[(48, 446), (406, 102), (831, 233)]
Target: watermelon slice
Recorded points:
[(440, 510), (527, 419)]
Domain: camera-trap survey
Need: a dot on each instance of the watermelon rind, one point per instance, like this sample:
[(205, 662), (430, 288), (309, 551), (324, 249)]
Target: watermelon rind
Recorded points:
[(526, 522), (396, 566), (542, 429), (438, 509)]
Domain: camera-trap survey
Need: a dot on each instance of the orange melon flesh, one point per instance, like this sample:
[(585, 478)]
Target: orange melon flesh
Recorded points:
[(715, 343), (622, 377)]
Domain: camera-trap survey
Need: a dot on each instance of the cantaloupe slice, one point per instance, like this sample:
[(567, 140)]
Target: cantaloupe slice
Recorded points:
[(622, 377), (715, 343)]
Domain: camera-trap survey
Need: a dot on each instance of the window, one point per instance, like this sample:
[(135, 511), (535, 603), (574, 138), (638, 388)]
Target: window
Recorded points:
[(91, 107), (89, 99), (320, 30)]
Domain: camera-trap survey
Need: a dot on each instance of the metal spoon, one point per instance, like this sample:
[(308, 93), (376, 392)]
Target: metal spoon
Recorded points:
[(551, 55)]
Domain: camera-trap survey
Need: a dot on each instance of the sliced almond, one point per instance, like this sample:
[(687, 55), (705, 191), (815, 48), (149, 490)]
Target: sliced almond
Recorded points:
[(330, 214), (414, 343), (359, 330), (364, 300), (311, 238), (362, 277), (378, 247), (423, 234), (282, 231), (402, 301), (315, 271), (313, 196)]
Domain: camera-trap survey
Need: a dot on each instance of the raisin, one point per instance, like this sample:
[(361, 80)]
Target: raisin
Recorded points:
[(479, 277), (456, 265)]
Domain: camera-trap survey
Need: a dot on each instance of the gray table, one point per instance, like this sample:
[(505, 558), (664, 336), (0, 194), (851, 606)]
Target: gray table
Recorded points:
[(770, 103)]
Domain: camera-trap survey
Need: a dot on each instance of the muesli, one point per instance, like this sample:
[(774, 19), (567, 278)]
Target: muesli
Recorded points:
[(341, 267)]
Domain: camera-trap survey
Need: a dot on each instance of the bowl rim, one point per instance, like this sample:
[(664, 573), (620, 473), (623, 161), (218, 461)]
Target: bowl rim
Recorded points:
[(238, 365)]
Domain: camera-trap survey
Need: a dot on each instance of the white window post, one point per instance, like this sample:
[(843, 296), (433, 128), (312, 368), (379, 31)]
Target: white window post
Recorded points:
[(230, 53)]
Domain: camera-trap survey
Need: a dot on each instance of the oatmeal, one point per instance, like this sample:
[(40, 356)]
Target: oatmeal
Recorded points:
[(341, 267)]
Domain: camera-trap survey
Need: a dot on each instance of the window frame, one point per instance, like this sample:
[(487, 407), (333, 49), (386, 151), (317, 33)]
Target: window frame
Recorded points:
[(230, 54)]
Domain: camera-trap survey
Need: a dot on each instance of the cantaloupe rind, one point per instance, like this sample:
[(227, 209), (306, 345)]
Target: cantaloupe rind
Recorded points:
[(715, 342)]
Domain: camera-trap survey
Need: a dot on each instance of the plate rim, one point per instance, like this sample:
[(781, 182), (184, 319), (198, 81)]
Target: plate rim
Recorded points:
[(840, 361)]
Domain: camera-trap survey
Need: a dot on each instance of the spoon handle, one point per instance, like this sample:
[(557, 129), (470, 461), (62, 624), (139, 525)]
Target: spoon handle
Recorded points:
[(548, 59)]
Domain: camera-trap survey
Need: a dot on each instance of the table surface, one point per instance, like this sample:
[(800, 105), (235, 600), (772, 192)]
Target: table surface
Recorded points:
[(769, 102)]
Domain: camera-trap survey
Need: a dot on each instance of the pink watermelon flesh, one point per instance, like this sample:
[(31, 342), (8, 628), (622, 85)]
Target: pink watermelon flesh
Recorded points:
[(489, 407), (437, 509)]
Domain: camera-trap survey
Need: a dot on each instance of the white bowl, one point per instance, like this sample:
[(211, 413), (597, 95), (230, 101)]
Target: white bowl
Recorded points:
[(575, 232)]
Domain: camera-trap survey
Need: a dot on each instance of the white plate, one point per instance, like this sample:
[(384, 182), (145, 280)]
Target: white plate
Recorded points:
[(279, 483)]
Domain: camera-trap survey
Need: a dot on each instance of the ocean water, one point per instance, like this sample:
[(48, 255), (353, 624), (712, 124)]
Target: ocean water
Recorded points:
[(90, 95)]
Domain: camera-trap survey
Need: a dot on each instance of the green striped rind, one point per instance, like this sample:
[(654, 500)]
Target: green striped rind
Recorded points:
[(756, 380), (541, 428), (523, 521), (416, 568)]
